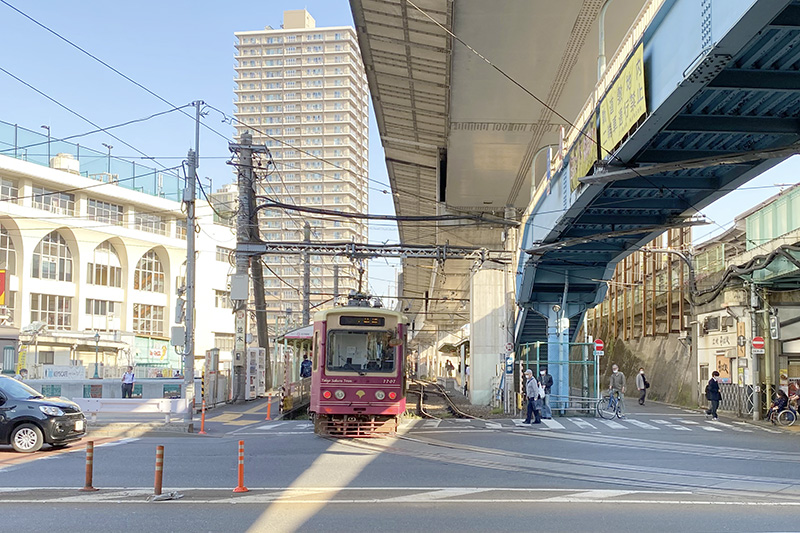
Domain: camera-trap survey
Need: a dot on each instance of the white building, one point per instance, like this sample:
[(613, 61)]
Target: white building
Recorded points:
[(103, 252), (302, 92)]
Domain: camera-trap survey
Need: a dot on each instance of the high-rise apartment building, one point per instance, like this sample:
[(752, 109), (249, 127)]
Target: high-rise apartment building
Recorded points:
[(302, 92)]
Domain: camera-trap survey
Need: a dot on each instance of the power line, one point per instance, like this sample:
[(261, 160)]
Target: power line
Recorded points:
[(83, 50), (128, 123), (66, 108)]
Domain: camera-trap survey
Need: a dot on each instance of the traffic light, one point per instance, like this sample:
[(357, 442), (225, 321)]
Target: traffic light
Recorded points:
[(774, 328)]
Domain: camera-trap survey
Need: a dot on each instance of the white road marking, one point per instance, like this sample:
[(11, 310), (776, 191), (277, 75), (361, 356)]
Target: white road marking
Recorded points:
[(270, 426), (670, 425), (709, 428), (493, 425), (116, 443), (433, 495), (552, 424), (612, 424), (583, 424), (639, 423), (690, 422), (431, 424)]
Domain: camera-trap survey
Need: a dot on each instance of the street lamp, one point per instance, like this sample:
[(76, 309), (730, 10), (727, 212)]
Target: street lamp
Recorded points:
[(48, 143), (109, 156), (96, 351)]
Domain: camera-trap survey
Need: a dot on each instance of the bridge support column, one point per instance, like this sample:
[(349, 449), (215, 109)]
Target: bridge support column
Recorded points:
[(489, 331)]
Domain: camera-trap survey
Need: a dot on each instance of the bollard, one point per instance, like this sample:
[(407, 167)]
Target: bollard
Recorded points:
[(87, 487), (240, 487), (269, 406), (203, 420), (159, 470)]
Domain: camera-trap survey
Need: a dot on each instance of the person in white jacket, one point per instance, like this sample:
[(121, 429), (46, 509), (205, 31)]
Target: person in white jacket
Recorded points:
[(534, 392)]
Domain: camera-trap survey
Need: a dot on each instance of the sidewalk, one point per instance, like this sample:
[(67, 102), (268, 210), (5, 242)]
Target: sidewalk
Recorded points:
[(220, 420)]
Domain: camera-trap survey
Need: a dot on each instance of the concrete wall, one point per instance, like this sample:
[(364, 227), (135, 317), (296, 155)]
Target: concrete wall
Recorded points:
[(668, 364)]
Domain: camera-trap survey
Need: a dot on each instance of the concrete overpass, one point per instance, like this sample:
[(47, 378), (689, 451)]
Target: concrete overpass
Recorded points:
[(718, 79)]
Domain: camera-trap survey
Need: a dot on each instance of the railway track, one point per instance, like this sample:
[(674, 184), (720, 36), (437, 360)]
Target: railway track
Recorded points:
[(427, 388)]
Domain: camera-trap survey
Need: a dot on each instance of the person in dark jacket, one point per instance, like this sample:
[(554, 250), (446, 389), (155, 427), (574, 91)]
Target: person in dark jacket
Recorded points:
[(546, 382), (713, 395)]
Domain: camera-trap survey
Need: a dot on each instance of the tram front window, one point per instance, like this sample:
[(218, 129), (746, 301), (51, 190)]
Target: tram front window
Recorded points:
[(361, 352)]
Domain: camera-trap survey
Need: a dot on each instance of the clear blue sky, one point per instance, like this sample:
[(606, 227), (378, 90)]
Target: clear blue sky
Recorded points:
[(184, 51), (181, 50)]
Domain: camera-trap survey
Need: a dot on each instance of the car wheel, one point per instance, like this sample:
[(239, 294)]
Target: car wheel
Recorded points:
[(27, 438)]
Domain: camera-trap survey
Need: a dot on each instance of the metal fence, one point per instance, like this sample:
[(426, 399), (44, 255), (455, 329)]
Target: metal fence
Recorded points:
[(575, 379)]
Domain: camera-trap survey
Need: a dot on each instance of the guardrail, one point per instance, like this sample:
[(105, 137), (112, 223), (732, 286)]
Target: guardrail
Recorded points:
[(162, 406)]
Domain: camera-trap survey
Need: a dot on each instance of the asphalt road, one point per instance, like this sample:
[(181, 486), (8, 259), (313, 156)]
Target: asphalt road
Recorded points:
[(661, 469)]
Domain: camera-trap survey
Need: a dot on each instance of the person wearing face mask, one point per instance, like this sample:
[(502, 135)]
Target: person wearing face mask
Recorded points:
[(713, 395), (616, 385), (642, 384), (546, 382)]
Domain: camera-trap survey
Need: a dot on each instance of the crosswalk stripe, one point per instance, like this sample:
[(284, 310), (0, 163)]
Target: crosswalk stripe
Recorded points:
[(493, 425), (643, 425), (690, 422), (612, 424), (552, 424), (670, 425), (583, 424), (270, 426), (709, 428), (432, 424)]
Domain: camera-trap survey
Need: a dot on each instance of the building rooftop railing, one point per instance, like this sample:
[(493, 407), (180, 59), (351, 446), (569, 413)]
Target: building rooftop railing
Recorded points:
[(41, 149)]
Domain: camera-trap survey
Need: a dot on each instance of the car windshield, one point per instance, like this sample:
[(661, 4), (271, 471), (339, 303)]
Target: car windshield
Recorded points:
[(17, 390), (361, 352)]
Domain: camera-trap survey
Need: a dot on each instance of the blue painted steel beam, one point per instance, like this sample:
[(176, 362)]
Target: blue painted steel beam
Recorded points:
[(757, 79), (725, 124)]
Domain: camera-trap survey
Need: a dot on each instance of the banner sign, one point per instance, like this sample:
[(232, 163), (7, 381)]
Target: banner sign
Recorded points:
[(583, 154), (624, 103)]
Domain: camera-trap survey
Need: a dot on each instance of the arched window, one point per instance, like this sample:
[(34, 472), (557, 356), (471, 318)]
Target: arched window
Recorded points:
[(8, 255), (149, 274), (52, 258), (105, 268)]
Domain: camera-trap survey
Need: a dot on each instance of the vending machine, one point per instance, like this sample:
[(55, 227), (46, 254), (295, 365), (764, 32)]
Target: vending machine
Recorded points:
[(255, 378)]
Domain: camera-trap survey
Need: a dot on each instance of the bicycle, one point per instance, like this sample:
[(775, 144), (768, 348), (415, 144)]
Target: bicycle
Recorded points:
[(609, 406), (786, 417)]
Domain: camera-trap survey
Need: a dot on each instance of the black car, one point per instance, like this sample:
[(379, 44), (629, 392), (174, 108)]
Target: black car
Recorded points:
[(28, 419)]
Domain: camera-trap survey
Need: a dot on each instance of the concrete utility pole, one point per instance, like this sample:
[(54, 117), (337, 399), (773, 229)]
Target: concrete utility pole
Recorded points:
[(247, 232), (335, 282), (306, 277), (189, 195)]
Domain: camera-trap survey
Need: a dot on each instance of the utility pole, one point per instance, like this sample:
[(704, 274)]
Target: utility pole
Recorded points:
[(306, 277), (247, 232), (189, 195)]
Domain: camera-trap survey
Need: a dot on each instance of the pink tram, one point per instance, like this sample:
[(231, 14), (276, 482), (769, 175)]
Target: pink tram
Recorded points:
[(358, 380)]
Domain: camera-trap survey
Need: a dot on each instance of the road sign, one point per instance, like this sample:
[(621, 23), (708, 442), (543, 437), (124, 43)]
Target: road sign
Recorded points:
[(509, 365), (599, 345), (741, 340), (758, 345)]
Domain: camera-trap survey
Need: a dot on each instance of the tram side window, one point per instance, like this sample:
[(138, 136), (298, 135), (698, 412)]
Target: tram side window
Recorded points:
[(360, 352)]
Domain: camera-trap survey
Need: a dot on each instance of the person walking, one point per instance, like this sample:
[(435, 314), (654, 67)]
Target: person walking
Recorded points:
[(642, 384), (713, 395), (616, 385), (128, 379), (532, 391), (546, 382)]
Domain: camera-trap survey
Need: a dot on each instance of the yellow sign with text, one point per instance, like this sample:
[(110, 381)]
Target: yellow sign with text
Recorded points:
[(583, 154), (624, 103)]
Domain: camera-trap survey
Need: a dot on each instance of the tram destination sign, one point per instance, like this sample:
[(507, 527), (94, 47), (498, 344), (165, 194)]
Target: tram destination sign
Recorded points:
[(347, 320)]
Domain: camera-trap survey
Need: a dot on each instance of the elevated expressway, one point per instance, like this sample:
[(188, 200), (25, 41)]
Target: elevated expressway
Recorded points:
[(720, 79)]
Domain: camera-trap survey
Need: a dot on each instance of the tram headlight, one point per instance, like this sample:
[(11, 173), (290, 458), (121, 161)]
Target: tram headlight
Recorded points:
[(380, 395), (339, 394), (392, 395), (326, 394)]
